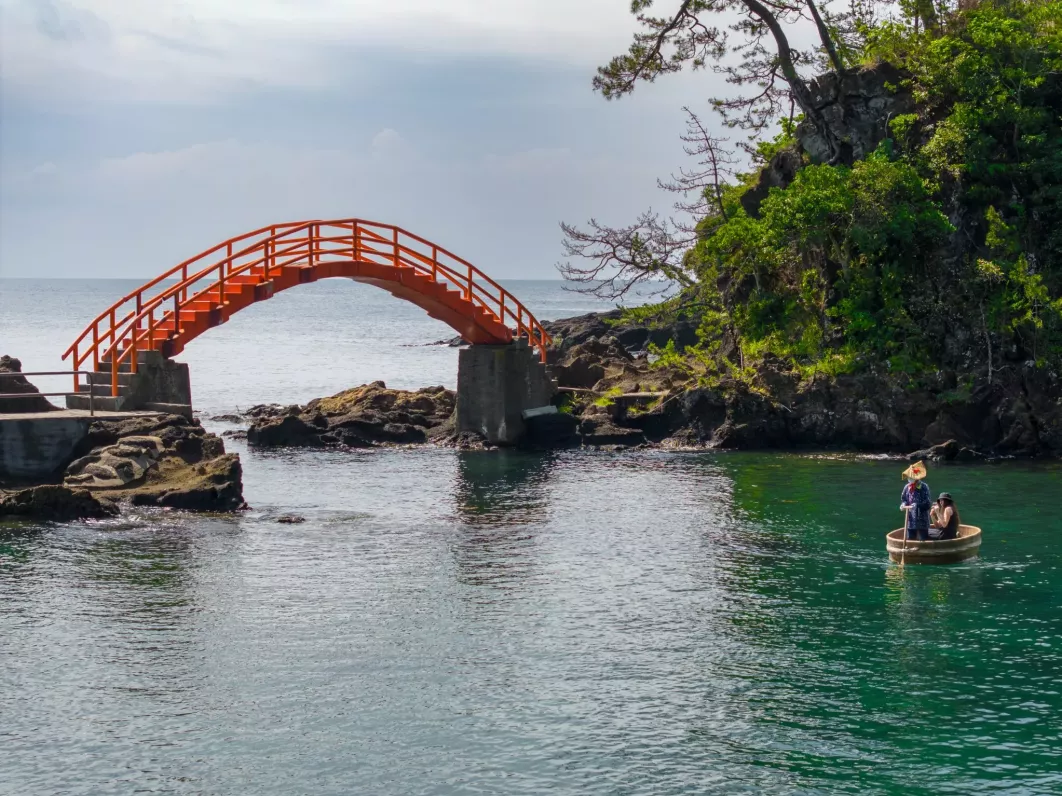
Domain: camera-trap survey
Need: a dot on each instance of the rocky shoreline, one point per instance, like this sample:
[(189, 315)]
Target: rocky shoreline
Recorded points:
[(618, 395), (162, 461), (363, 417), (614, 395)]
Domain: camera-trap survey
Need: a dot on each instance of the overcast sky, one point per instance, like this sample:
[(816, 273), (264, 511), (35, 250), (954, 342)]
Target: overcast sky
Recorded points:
[(136, 133)]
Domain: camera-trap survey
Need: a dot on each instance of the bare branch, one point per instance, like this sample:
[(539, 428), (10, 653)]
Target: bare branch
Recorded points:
[(650, 250), (714, 165)]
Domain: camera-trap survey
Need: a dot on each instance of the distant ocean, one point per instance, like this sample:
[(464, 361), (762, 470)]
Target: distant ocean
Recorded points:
[(302, 344)]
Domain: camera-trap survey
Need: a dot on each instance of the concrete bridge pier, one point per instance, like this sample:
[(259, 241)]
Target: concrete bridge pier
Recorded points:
[(496, 384)]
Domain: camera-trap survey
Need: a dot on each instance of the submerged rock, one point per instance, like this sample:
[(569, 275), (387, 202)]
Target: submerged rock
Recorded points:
[(54, 503)]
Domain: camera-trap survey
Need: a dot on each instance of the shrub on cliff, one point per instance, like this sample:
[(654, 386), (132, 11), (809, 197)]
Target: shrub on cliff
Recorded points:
[(925, 232)]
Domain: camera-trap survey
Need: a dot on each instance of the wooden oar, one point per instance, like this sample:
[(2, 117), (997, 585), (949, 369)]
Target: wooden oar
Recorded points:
[(906, 517)]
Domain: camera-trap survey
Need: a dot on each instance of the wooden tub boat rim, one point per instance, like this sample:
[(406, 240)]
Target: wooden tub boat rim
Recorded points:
[(969, 537)]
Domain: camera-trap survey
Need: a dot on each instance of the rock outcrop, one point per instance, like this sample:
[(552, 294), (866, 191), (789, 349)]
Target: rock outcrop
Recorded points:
[(33, 402), (116, 465), (214, 485), (166, 461), (857, 107), (1018, 414), (363, 417), (570, 332), (54, 503)]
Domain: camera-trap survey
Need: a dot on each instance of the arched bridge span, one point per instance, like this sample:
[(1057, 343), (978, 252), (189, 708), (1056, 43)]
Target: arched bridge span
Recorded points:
[(165, 314)]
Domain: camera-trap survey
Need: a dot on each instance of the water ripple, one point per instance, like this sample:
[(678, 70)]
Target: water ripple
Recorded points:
[(450, 622)]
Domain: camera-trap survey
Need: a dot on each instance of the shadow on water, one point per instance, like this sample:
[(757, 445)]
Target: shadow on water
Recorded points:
[(500, 488), (17, 539), (500, 497)]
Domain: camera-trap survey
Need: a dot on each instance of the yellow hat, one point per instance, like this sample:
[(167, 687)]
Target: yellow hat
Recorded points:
[(916, 471)]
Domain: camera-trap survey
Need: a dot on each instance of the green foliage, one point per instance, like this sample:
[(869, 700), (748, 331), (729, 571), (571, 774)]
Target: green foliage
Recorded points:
[(566, 404), (609, 398), (852, 264), (668, 357), (786, 137), (828, 260)]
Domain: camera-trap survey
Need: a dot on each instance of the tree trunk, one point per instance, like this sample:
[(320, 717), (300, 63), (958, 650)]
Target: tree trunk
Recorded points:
[(826, 38), (927, 12), (800, 91)]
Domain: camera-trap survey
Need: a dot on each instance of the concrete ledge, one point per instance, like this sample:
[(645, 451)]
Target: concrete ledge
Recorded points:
[(170, 409), (36, 447), (37, 444), (539, 411)]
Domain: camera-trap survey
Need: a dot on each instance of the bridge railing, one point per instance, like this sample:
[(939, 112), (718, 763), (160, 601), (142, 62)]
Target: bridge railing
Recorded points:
[(132, 323)]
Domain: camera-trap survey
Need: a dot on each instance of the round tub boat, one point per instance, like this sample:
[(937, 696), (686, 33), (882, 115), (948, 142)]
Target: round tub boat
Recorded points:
[(947, 551)]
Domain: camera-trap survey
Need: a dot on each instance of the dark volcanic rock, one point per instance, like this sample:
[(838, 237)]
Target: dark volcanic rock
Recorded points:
[(857, 107), (165, 460), (1018, 414), (778, 173), (53, 503), (571, 332), (33, 402), (552, 431), (214, 485), (260, 411), (285, 431), (596, 431), (362, 417)]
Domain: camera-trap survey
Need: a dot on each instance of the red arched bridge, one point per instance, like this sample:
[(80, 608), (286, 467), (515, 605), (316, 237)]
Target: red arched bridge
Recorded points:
[(174, 308)]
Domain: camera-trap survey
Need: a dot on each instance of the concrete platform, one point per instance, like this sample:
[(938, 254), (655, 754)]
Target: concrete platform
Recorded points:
[(37, 444)]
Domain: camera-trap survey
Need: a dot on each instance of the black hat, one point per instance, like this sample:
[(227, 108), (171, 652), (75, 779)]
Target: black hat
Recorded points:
[(946, 496)]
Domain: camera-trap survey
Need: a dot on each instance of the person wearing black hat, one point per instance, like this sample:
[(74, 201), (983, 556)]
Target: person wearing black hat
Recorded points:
[(945, 518)]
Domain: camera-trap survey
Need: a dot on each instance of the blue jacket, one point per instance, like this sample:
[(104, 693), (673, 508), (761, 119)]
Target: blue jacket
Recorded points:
[(920, 500)]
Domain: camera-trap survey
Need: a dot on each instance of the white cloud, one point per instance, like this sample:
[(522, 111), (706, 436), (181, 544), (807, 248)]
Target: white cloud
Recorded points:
[(388, 143), (194, 50)]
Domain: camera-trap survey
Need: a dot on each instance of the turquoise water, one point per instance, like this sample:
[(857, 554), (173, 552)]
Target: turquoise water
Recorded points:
[(505, 623), (450, 623)]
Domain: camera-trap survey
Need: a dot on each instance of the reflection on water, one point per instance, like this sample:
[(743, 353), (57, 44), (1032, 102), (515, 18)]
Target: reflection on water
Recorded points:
[(573, 623), (499, 498), (504, 487)]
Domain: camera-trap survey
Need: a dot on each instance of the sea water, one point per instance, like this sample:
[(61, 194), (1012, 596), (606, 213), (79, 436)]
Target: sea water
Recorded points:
[(453, 622)]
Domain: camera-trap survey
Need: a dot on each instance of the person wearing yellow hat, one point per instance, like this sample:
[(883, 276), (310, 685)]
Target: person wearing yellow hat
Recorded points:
[(916, 500)]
